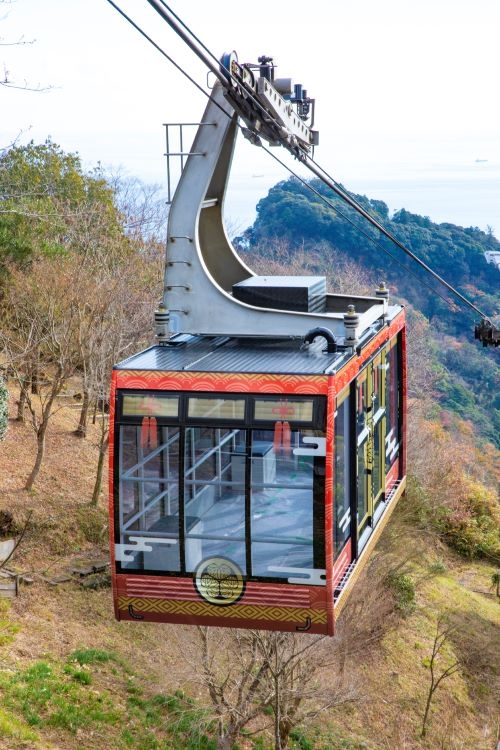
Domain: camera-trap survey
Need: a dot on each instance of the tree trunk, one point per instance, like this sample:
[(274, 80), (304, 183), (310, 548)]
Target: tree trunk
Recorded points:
[(42, 430), (81, 430), (426, 713), (228, 740), (35, 380), (21, 405), (100, 470), (40, 450), (285, 728), (277, 714)]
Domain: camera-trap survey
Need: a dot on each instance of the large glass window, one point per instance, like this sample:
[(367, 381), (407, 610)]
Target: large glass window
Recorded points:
[(237, 477), (392, 437), (149, 494), (342, 474), (214, 495), (287, 483)]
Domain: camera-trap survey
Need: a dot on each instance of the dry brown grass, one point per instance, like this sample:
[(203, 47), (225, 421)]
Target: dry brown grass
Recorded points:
[(55, 620)]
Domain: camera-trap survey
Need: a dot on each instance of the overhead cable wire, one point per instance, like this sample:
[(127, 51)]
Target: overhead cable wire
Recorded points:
[(157, 46), (188, 36), (214, 64), (172, 61), (196, 38), (346, 218), (339, 190)]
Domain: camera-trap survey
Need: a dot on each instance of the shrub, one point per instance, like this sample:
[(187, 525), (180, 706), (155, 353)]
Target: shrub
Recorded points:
[(472, 528), (403, 589), (91, 656), (8, 629), (467, 518), (92, 522)]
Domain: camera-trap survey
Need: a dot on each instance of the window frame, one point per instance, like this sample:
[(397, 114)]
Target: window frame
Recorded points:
[(184, 422)]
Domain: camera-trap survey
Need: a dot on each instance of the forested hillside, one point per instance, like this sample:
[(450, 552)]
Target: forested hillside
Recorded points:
[(467, 377), (414, 663)]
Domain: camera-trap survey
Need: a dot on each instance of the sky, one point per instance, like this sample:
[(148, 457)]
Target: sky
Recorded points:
[(407, 103)]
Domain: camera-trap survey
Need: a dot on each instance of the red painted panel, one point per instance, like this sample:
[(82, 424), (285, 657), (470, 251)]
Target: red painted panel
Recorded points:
[(111, 452), (268, 606), (223, 382), (329, 502)]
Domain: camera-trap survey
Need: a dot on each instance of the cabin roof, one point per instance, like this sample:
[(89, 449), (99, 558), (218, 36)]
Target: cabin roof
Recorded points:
[(203, 353), (188, 353), (229, 354)]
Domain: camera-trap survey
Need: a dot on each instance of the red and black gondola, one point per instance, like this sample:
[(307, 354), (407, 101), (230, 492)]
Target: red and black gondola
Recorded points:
[(258, 448)]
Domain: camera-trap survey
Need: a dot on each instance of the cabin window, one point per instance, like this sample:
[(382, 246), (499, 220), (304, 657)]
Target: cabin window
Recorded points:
[(287, 486), (364, 419), (392, 398), (378, 430), (371, 425), (377, 411), (342, 473), (150, 405), (238, 477), (216, 408), (149, 495), (284, 409)]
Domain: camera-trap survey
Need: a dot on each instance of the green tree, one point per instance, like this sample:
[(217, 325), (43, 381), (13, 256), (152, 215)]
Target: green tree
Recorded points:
[(42, 190), (466, 378), (62, 225), (291, 210)]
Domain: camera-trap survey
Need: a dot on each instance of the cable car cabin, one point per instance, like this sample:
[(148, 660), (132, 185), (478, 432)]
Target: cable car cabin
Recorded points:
[(258, 449), (250, 478)]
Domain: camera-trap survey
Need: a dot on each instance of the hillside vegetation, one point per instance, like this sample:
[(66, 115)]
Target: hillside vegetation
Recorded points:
[(70, 675), (414, 664), (294, 222)]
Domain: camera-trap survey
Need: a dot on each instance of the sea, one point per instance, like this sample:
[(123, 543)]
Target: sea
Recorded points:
[(465, 192)]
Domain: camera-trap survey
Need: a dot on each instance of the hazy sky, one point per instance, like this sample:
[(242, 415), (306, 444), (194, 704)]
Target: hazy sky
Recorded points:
[(407, 102)]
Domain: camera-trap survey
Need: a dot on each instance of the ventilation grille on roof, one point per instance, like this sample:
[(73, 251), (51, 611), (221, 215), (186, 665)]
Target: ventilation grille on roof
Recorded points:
[(297, 293)]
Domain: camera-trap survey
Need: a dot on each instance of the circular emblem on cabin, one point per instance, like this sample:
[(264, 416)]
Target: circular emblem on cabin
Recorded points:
[(219, 580)]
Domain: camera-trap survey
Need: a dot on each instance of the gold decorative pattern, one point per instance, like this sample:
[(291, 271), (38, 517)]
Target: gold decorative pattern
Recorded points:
[(236, 611), (219, 581)]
